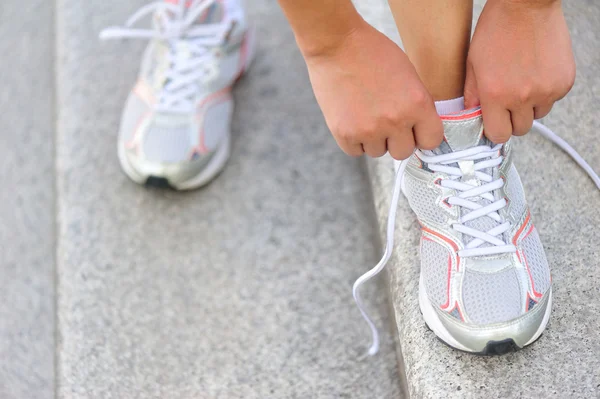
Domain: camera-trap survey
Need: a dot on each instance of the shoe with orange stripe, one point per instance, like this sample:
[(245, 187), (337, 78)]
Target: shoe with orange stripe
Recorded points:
[(485, 283), (175, 128)]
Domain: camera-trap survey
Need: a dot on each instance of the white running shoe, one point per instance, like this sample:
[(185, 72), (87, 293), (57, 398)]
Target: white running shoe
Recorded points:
[(176, 125), (485, 284)]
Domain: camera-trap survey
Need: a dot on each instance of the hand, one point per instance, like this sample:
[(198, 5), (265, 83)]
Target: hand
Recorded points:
[(372, 98), (520, 63)]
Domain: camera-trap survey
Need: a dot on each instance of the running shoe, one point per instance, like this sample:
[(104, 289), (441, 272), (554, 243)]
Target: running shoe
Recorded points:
[(485, 285), (176, 125)]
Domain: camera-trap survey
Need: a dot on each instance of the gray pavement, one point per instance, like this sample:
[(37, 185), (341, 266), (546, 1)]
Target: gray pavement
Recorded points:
[(27, 200), (564, 203), (240, 290)]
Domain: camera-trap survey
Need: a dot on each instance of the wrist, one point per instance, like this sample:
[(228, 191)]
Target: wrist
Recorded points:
[(326, 38), (530, 4)]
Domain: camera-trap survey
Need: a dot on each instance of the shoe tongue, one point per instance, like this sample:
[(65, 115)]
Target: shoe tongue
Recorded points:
[(462, 131)]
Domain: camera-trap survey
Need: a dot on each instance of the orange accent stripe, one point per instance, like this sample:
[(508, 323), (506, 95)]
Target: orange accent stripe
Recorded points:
[(132, 143), (461, 117), (143, 92), (455, 247), (175, 2), (528, 232), (448, 240), (537, 294), (215, 98), (516, 237)]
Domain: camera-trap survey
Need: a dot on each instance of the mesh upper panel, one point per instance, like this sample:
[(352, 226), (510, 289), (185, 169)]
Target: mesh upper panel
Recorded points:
[(217, 123), (514, 191), (491, 298), (422, 200), (434, 266), (135, 109), (167, 144), (537, 262)]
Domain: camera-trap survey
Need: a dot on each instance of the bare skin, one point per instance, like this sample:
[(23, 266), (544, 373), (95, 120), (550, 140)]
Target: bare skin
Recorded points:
[(520, 63), (370, 93), (374, 100), (436, 36)]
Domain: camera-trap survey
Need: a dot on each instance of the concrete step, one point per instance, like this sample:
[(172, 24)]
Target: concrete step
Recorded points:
[(240, 290), (27, 198), (564, 203)]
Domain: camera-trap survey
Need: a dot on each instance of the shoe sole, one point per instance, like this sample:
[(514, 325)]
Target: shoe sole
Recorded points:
[(217, 162), (494, 347)]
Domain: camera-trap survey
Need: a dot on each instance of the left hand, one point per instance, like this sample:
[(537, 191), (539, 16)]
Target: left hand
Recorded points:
[(520, 63)]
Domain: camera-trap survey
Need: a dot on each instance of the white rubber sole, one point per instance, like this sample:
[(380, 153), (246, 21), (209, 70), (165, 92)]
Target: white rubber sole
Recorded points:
[(434, 323), (208, 173)]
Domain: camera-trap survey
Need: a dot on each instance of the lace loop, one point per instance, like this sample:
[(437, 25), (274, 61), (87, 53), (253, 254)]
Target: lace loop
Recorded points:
[(473, 247), (190, 58)]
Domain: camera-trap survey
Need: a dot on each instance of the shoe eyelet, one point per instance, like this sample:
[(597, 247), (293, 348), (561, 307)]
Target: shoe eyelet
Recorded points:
[(445, 202)]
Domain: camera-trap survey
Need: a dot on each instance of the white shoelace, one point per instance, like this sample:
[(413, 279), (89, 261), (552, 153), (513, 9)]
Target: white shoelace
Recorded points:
[(440, 163), (192, 57)]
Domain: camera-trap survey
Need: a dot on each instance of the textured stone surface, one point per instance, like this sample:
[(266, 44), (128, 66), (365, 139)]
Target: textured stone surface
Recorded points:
[(26, 195), (240, 290), (564, 203)]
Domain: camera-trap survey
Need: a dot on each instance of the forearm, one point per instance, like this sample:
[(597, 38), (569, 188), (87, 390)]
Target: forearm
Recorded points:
[(530, 4), (436, 36), (321, 25)]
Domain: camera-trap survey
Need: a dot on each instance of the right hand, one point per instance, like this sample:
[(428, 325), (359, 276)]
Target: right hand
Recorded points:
[(372, 98)]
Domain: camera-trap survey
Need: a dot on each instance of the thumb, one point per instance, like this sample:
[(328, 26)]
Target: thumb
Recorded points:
[(471, 93)]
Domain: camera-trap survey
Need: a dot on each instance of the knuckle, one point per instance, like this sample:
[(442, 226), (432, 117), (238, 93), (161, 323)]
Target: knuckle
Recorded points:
[(569, 81), (546, 93), (344, 134), (378, 153), (392, 117), (522, 130), (401, 153), (367, 131), (493, 90), (353, 152), (498, 137), (419, 97), (429, 142), (543, 110), (525, 93)]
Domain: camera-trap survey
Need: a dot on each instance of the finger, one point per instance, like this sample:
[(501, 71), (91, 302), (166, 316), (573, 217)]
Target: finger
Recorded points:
[(542, 110), (375, 148), (352, 149), (401, 145), (522, 120), (429, 132), (497, 123), (471, 93)]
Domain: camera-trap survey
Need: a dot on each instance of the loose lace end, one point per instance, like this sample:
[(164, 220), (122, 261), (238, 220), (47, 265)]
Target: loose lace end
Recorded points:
[(391, 224)]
